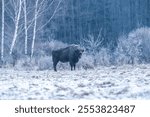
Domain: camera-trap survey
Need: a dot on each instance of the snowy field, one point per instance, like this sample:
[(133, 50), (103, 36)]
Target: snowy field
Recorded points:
[(123, 82)]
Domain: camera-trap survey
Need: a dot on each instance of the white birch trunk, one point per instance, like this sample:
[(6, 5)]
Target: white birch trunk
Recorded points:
[(2, 41), (37, 11), (26, 28), (16, 27), (34, 28)]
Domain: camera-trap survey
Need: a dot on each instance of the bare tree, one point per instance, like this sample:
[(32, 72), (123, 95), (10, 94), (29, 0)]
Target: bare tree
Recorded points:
[(2, 38), (92, 43), (38, 11), (17, 18), (35, 24), (25, 26)]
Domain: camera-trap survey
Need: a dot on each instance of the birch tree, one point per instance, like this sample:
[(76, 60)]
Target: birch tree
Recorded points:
[(17, 18), (35, 24), (2, 38), (37, 12), (25, 26)]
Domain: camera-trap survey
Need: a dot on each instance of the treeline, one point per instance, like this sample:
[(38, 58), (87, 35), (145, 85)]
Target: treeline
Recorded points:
[(81, 18)]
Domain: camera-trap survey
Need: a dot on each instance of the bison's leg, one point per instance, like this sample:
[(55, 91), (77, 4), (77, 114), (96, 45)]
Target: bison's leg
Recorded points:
[(72, 65), (55, 60), (55, 64)]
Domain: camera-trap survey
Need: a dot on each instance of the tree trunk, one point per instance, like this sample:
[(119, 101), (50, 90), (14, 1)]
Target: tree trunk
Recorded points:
[(26, 28), (35, 23), (2, 41), (34, 28), (16, 27)]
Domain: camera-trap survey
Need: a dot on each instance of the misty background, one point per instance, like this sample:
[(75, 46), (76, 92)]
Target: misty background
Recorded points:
[(112, 32)]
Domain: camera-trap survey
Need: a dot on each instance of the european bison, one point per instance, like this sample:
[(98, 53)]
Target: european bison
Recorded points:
[(70, 54)]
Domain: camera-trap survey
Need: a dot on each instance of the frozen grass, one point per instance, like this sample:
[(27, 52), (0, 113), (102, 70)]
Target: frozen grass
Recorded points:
[(115, 82)]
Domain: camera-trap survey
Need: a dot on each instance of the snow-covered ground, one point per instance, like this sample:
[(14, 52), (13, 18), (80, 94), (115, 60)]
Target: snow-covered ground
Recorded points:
[(122, 82)]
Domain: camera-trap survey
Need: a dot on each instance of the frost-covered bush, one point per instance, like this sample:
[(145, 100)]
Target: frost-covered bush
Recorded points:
[(45, 63), (92, 44), (134, 48), (103, 58), (86, 62), (91, 61), (25, 63)]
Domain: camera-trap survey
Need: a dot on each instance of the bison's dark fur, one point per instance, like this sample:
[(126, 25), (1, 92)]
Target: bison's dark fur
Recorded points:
[(69, 54)]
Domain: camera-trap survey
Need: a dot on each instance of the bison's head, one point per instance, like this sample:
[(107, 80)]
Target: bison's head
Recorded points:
[(79, 52)]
